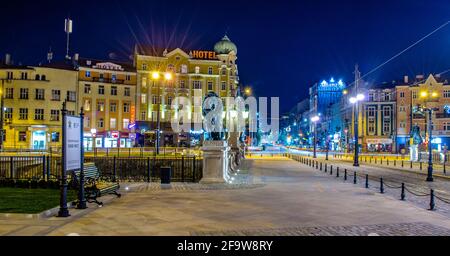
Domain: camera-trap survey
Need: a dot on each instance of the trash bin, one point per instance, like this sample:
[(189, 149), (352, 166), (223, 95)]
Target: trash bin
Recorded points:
[(166, 173)]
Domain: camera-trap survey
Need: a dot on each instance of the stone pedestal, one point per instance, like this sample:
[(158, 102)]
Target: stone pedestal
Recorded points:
[(215, 162)]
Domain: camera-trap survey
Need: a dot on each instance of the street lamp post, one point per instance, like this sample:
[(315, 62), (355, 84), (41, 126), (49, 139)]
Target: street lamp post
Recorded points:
[(155, 77), (355, 100), (315, 119)]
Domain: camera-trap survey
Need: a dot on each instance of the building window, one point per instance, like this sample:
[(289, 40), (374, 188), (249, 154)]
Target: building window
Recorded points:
[(126, 123), (37, 77), (100, 106), (126, 107), (40, 94), (24, 75), (143, 115), (210, 86), (54, 115), (87, 74), (24, 93), (154, 99), (387, 96), (113, 90), (39, 114), (197, 70), (112, 123), (22, 136), (184, 69), (386, 127), (414, 95), (9, 75), (196, 84), (112, 107), (56, 95), (144, 98), (224, 71), (371, 111), (128, 77), (9, 93), (100, 123), (144, 82), (87, 89), (101, 89), (8, 113), (87, 122), (23, 114), (169, 100), (224, 86), (446, 126), (402, 109), (87, 105), (144, 66), (371, 126), (446, 93), (71, 96), (127, 91), (55, 136), (402, 94), (210, 70), (71, 112), (113, 78), (182, 84), (402, 125), (387, 111)]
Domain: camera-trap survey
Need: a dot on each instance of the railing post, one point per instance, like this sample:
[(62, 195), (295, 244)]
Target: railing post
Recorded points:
[(402, 195), (43, 167), (354, 178), (11, 167), (148, 170), (48, 168), (367, 180), (381, 186), (432, 205), (193, 169), (114, 169), (182, 168)]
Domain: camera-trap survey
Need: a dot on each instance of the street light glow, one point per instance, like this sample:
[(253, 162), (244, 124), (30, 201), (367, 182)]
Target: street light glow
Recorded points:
[(353, 100), (315, 119), (434, 94), (360, 97), (423, 94), (168, 76), (155, 75)]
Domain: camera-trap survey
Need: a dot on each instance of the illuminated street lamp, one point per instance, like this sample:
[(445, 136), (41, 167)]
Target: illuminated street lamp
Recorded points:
[(155, 77), (429, 96), (315, 119), (355, 100)]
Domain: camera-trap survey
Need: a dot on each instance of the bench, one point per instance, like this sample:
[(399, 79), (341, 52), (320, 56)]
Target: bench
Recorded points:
[(93, 184)]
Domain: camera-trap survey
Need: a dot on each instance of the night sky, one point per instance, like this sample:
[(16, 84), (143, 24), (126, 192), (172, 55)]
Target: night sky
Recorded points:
[(283, 46)]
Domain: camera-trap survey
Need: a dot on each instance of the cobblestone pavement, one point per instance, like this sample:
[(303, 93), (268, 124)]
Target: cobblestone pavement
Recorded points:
[(398, 229), (294, 200), (393, 178)]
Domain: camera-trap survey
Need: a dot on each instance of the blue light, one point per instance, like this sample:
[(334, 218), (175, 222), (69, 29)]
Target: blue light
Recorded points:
[(324, 83), (332, 80), (340, 83)]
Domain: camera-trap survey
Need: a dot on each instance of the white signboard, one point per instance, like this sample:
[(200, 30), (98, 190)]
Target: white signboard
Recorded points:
[(72, 143)]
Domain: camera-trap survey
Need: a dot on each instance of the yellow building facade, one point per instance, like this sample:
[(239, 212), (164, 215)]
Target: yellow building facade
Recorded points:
[(191, 73), (107, 93), (32, 99)]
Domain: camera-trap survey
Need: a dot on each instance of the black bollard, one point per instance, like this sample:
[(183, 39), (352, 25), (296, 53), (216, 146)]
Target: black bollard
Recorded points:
[(421, 166), (354, 178), (326, 167), (331, 172), (402, 164), (321, 166), (432, 200), (367, 180), (410, 164), (395, 162), (381, 186), (345, 174), (387, 161), (402, 195), (337, 172)]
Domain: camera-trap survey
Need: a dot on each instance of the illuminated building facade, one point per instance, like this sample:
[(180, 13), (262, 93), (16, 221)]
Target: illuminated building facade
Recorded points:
[(191, 72), (107, 93)]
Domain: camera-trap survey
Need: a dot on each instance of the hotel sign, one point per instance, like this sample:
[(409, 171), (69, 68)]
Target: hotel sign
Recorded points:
[(205, 55)]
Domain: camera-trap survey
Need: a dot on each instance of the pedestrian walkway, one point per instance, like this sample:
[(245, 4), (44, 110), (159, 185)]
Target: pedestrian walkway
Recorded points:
[(295, 200)]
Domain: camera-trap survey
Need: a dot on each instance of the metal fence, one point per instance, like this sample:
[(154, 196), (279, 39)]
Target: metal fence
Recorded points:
[(185, 169)]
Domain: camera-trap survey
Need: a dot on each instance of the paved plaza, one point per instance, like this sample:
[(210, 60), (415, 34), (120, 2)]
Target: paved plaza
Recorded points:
[(277, 197)]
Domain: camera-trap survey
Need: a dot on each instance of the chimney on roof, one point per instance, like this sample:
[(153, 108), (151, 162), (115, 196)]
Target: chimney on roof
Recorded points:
[(406, 79), (8, 59)]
